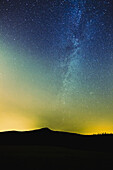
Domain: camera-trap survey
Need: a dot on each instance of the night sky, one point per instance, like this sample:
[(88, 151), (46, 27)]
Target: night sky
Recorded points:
[(56, 65)]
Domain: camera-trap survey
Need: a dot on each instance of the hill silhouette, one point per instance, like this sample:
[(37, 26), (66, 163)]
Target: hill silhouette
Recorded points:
[(47, 137), (47, 149)]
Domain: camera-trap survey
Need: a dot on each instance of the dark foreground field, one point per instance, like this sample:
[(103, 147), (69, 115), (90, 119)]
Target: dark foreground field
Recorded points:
[(58, 151), (46, 157)]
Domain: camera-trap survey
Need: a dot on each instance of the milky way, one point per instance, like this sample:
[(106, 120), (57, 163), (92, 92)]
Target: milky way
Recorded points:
[(56, 65), (86, 20)]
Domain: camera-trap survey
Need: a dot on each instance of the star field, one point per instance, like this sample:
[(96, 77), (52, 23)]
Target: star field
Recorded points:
[(56, 65)]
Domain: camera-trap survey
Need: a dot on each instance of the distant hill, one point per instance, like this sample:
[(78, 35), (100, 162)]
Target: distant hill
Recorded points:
[(47, 137)]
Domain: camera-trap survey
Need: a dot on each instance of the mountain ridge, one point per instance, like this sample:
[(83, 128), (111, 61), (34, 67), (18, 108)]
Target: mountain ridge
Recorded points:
[(46, 129), (43, 148), (48, 137)]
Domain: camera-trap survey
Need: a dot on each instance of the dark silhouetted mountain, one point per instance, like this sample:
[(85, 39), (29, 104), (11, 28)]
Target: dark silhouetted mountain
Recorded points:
[(47, 137)]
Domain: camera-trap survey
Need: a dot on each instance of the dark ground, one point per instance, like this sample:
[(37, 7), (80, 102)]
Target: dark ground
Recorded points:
[(52, 156), (46, 157)]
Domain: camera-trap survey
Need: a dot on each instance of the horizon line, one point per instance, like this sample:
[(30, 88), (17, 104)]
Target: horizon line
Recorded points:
[(31, 130)]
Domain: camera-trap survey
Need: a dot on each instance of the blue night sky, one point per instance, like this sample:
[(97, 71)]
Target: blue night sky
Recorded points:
[(56, 65)]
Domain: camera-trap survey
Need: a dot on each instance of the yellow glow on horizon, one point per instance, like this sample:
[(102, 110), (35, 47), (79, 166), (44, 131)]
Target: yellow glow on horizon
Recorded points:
[(99, 128), (16, 122)]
